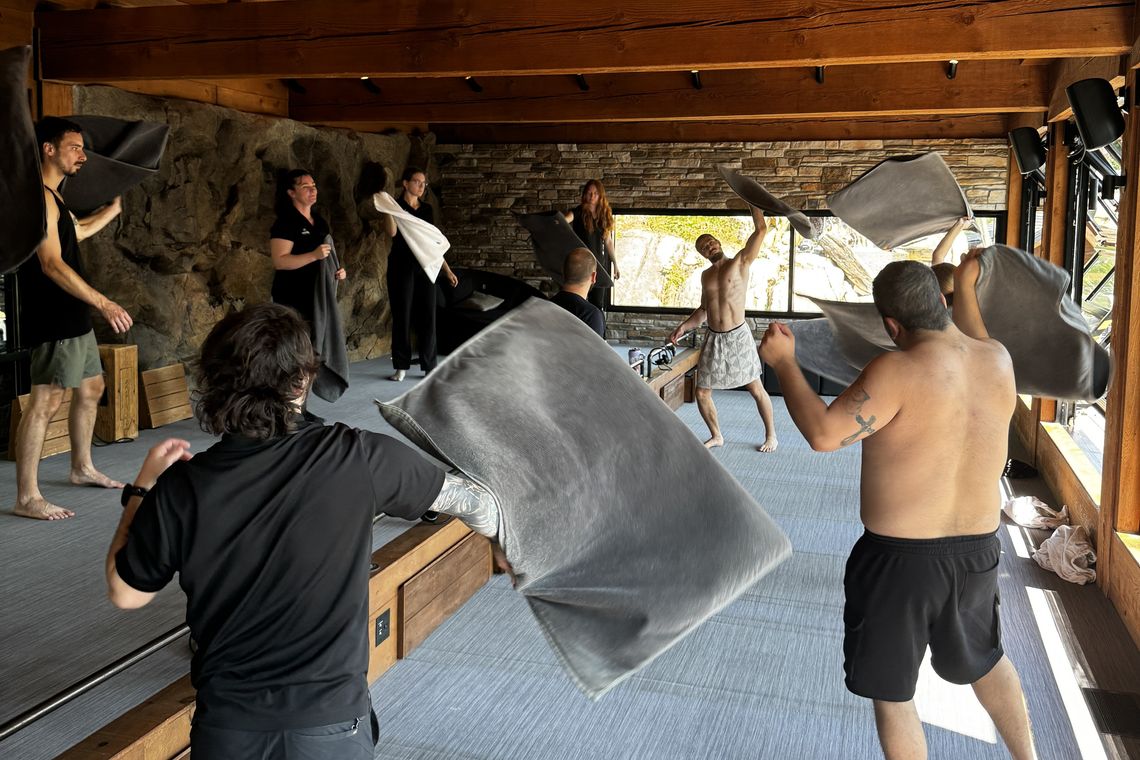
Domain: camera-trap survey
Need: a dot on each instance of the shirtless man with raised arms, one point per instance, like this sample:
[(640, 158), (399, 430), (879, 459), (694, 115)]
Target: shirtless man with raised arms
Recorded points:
[(934, 420), (728, 356)]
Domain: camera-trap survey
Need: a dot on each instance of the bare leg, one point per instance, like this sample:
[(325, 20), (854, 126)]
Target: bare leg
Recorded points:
[(764, 406), (708, 413), (45, 401), (900, 730), (80, 424), (1000, 693)]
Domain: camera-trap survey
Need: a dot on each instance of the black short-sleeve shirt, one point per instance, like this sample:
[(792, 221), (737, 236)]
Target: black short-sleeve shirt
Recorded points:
[(582, 309), (272, 544), (296, 287)]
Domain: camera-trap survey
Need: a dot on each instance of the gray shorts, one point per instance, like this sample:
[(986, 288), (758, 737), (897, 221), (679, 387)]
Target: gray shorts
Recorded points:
[(66, 363), (729, 359)]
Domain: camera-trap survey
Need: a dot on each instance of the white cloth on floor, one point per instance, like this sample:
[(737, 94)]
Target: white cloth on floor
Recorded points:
[(425, 240), (1068, 553), (1031, 512)]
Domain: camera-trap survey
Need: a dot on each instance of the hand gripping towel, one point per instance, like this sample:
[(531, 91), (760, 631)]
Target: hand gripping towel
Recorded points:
[(424, 239), (757, 195), (624, 532)]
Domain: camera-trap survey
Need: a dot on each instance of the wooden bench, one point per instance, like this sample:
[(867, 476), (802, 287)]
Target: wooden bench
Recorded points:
[(429, 570), (670, 383)]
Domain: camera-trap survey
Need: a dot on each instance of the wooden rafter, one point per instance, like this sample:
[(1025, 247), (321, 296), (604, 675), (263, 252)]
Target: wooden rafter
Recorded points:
[(719, 132), (345, 38), (920, 89)]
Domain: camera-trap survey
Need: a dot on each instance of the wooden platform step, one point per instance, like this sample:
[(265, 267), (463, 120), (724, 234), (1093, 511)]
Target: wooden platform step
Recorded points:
[(57, 440), (165, 396)]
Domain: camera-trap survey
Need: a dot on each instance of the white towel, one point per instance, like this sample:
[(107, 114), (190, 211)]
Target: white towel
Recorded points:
[(1031, 512), (1068, 553), (424, 239)]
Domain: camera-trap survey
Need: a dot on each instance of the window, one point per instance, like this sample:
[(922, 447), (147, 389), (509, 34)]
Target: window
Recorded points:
[(661, 269)]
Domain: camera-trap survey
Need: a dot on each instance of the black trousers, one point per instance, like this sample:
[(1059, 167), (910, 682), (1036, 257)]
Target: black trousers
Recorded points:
[(351, 740), (412, 297)]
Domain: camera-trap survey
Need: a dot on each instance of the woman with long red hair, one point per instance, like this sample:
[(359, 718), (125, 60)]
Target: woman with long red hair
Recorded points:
[(593, 222)]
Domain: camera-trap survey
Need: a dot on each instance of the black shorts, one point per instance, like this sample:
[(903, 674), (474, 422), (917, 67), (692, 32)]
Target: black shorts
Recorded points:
[(905, 594)]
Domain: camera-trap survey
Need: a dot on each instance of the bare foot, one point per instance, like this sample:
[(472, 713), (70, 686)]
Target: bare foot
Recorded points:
[(716, 440), (41, 509), (93, 477), (769, 445)]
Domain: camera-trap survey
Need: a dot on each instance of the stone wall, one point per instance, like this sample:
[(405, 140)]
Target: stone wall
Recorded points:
[(481, 185), (192, 243)]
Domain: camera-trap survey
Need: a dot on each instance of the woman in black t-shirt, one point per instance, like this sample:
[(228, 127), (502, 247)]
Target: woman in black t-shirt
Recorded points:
[(297, 244), (411, 293), (593, 223)]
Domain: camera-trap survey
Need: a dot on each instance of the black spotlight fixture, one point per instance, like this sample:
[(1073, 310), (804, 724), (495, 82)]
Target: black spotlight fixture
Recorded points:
[(583, 85), (696, 78), (819, 74), (369, 85), (475, 86), (1027, 149), (1096, 112), (952, 68)]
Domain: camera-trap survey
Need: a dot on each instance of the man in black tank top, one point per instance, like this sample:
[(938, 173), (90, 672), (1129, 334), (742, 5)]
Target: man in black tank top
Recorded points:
[(55, 319)]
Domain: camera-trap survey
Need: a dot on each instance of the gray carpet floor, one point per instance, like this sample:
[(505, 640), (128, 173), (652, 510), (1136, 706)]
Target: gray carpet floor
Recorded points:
[(763, 678)]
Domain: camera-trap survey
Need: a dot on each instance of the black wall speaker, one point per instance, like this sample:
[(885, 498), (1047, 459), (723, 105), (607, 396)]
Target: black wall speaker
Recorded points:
[(1027, 149), (1096, 112)]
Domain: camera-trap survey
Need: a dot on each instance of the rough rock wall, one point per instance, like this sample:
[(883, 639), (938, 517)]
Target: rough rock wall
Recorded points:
[(192, 243)]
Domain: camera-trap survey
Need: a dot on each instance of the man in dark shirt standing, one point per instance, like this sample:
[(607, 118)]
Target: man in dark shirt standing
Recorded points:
[(579, 272), (55, 303), (270, 533)]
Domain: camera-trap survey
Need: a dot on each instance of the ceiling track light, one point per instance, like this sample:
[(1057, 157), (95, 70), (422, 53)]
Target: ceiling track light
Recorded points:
[(696, 78), (369, 85), (475, 86), (951, 68), (819, 74), (583, 85)]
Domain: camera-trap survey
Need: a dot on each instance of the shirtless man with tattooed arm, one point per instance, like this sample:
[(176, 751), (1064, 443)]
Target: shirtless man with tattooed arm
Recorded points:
[(924, 573)]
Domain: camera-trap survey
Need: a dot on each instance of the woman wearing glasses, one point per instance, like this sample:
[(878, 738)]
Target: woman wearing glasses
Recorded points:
[(410, 292)]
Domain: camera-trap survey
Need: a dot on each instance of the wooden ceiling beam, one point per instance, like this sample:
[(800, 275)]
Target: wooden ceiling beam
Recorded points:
[(1064, 72), (346, 38), (920, 89), (959, 127)]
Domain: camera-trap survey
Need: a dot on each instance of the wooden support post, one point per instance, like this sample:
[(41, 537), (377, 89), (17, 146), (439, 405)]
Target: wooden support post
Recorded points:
[(1053, 235)]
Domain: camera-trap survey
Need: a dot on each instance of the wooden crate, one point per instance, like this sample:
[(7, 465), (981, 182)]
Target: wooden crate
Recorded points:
[(56, 441), (118, 417), (440, 589), (158, 728), (165, 396)]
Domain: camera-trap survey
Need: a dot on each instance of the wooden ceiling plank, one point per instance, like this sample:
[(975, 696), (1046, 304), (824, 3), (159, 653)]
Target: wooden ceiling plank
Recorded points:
[(344, 38), (850, 92), (965, 127)]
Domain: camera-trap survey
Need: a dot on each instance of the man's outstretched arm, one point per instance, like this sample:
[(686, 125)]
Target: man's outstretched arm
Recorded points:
[(967, 310), (860, 411), (942, 250), (470, 502), (751, 250)]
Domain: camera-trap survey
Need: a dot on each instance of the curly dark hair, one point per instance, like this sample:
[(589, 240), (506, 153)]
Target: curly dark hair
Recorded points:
[(254, 366)]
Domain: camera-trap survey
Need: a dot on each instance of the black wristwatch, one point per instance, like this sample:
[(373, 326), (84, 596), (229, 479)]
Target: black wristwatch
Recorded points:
[(130, 490)]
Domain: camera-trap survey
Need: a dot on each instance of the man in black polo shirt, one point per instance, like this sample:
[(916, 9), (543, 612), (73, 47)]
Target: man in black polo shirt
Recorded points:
[(579, 272), (55, 312), (270, 533)]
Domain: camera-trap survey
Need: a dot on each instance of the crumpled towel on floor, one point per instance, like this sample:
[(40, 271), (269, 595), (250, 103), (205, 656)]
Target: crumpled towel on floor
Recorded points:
[(1031, 512), (1068, 553)]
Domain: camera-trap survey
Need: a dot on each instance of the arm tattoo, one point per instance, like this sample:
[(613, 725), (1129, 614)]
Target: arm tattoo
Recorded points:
[(470, 502), (854, 404)]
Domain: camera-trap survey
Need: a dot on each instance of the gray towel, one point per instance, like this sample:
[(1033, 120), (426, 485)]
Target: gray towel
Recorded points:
[(757, 195), (553, 238), (624, 531), (120, 155), (817, 351), (1026, 307), (332, 380), (22, 214), (901, 199)]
